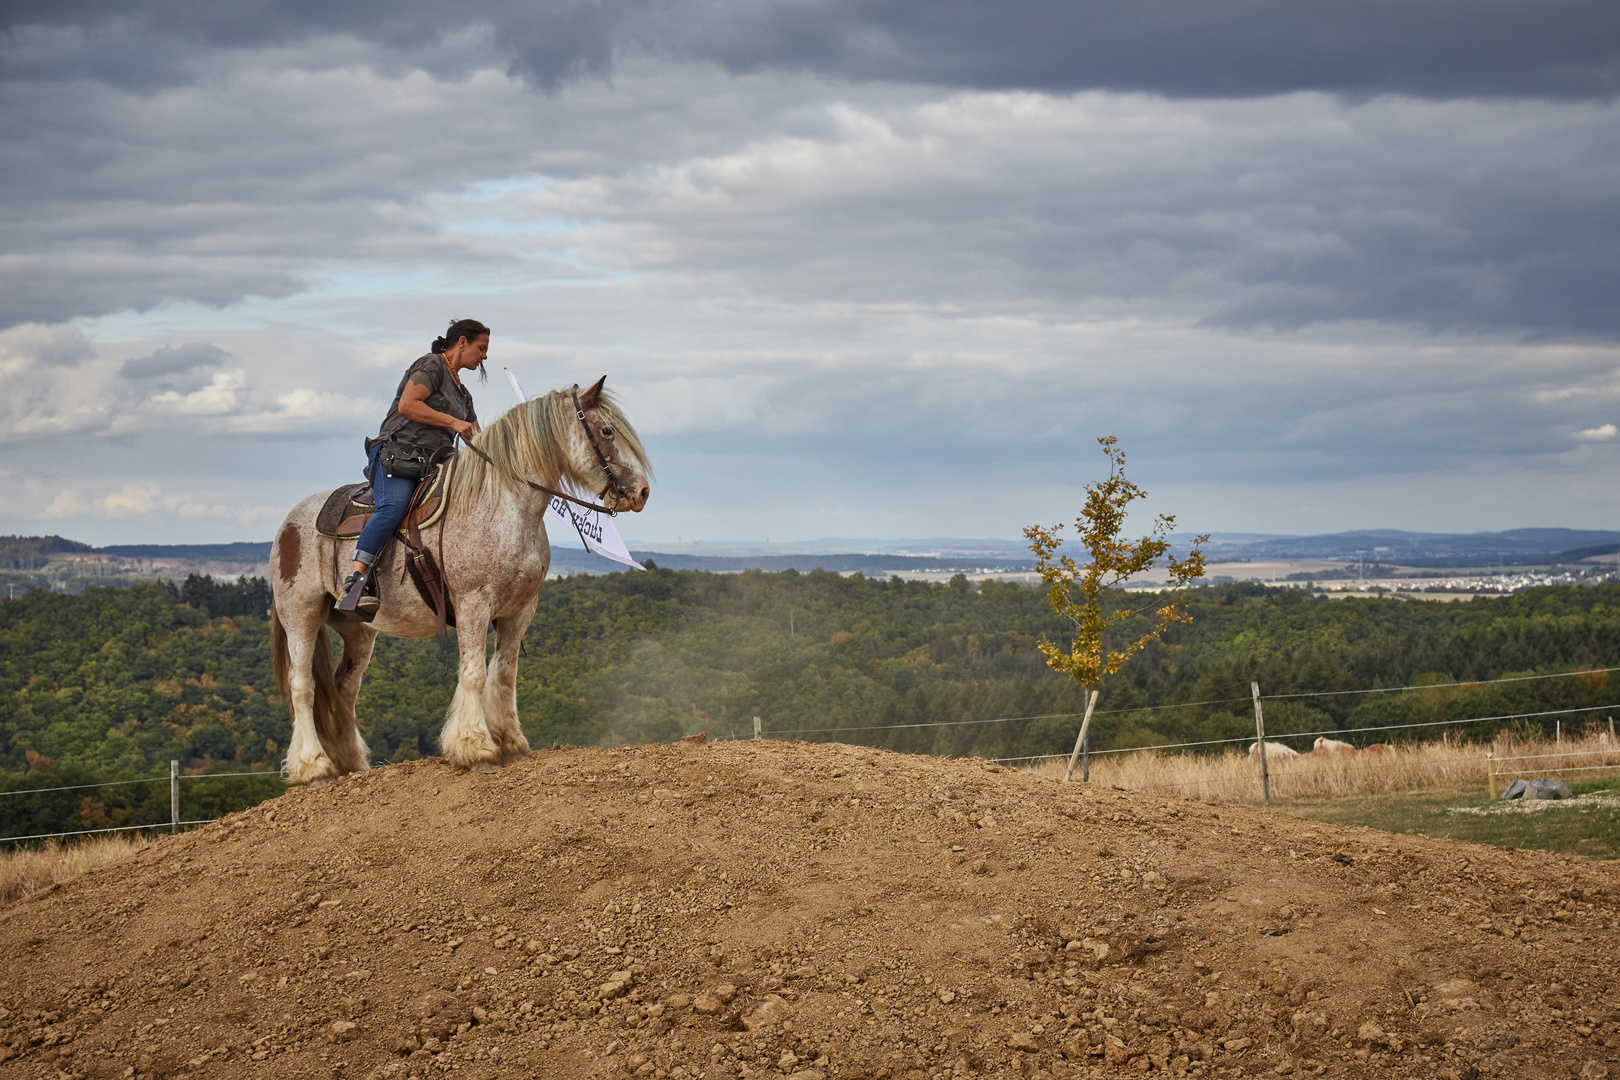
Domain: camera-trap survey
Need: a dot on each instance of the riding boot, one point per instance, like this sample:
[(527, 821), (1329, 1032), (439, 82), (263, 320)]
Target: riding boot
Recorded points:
[(359, 593)]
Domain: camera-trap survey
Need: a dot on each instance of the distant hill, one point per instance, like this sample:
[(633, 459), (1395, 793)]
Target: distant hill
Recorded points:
[(879, 558), (241, 551), (33, 552), (1588, 552), (1436, 549), (833, 562)]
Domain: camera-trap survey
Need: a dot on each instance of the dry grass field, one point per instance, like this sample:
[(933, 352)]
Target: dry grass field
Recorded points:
[(27, 870), (1443, 767)]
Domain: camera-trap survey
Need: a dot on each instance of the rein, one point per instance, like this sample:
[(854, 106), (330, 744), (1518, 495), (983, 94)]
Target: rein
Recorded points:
[(611, 484)]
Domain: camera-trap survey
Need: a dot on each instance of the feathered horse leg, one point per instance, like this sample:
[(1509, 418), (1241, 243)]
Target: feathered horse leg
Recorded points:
[(303, 668), (300, 651), (346, 745), (466, 739), (500, 686)]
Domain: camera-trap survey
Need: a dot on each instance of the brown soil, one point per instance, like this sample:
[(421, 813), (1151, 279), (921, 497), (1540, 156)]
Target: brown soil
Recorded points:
[(756, 909)]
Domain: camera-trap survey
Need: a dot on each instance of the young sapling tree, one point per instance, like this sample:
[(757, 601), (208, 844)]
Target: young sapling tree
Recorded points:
[(1077, 591)]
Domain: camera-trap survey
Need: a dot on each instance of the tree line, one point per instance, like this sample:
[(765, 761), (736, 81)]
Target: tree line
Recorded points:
[(115, 683)]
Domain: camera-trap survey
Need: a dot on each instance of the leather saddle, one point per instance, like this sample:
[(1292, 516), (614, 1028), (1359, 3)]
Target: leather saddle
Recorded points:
[(347, 509)]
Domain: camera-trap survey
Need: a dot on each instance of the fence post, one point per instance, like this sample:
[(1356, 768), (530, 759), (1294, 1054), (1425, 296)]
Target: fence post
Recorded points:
[(756, 727), (1260, 740), (174, 796), (1490, 773), (1085, 759), (1091, 703), (1611, 729)]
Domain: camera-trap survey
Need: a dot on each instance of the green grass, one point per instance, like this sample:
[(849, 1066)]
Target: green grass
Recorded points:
[(1592, 831)]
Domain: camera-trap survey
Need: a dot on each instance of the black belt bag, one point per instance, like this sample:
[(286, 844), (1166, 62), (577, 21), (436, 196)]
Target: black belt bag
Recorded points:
[(402, 461)]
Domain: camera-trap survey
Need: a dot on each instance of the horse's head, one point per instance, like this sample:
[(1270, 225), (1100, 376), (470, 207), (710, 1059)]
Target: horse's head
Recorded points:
[(574, 435), (606, 452)]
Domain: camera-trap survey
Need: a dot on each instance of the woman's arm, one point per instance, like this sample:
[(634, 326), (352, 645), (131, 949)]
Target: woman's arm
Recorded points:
[(413, 406)]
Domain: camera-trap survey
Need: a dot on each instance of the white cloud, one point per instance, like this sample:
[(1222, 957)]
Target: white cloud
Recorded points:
[(35, 345), (1602, 433), (223, 395), (134, 501), (139, 500), (67, 503)]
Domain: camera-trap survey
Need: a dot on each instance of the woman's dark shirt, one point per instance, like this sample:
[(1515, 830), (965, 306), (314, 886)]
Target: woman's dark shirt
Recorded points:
[(444, 395)]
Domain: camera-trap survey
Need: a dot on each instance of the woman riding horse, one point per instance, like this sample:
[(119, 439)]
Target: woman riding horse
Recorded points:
[(493, 555), (430, 409)]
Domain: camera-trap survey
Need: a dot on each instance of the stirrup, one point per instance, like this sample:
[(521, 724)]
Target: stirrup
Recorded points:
[(355, 594)]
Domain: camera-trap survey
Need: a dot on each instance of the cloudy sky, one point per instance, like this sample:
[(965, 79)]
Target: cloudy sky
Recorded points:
[(877, 269)]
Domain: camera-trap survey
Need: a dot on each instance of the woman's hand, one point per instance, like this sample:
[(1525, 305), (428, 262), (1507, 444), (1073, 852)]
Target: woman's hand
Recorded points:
[(464, 428)]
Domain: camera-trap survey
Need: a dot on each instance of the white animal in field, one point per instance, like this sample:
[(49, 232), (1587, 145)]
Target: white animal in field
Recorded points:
[(1274, 750), (1325, 745)]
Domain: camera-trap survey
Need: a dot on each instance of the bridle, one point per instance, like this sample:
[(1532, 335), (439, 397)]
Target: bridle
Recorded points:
[(601, 458)]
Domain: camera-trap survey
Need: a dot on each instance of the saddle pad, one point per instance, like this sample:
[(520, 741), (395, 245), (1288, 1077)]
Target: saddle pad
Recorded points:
[(347, 509)]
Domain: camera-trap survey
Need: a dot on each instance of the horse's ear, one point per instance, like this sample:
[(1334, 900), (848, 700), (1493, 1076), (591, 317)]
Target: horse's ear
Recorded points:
[(592, 396)]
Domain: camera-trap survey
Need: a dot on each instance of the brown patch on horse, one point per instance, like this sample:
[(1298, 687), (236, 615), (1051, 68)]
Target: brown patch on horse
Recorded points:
[(289, 553)]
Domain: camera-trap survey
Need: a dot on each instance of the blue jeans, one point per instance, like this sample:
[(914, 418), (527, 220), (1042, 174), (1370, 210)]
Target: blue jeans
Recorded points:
[(392, 496)]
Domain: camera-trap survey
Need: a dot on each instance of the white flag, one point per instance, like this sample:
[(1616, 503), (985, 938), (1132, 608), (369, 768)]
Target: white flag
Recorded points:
[(595, 529)]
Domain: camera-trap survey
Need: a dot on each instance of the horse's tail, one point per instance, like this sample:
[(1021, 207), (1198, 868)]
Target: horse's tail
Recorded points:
[(328, 717), (280, 662)]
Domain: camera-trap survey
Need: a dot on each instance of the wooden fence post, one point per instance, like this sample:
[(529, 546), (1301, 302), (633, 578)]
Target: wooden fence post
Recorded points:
[(1085, 759), (1490, 773), (1260, 738), (756, 727), (174, 797), (1091, 703)]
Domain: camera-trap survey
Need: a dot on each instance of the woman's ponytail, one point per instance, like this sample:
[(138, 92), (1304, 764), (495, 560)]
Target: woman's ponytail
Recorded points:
[(471, 329)]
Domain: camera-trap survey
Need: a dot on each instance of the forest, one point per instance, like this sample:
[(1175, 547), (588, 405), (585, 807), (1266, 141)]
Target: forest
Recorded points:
[(113, 684)]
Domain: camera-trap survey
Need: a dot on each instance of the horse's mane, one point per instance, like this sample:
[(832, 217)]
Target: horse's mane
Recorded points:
[(529, 441)]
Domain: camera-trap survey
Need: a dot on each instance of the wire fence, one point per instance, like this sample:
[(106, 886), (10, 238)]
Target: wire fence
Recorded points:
[(120, 828), (790, 733), (175, 822), (1330, 733), (1262, 743), (121, 783)]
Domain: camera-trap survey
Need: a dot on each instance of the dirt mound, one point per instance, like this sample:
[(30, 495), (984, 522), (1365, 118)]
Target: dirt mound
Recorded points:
[(755, 909)]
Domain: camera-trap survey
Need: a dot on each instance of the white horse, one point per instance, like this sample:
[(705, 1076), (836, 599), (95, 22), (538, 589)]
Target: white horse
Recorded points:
[(494, 559)]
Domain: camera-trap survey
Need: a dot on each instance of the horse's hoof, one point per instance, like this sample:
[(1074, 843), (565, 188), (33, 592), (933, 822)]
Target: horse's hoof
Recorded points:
[(485, 767), (322, 782)]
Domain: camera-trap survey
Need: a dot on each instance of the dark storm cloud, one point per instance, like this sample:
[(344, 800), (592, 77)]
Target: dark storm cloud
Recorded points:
[(172, 361), (1279, 213), (1438, 48), (1184, 47), (168, 151)]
